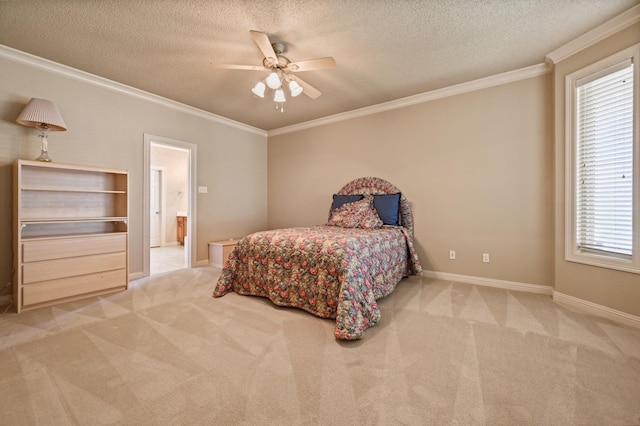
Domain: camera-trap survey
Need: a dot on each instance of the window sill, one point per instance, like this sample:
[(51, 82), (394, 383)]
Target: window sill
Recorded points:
[(601, 261)]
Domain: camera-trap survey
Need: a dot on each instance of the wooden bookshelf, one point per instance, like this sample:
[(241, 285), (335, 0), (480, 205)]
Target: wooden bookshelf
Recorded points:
[(70, 232)]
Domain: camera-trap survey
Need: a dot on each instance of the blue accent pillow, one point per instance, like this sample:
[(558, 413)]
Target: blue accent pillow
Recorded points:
[(388, 207), (339, 200)]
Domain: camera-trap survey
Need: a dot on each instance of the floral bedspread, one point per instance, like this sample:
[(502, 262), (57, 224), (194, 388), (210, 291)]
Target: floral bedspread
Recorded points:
[(329, 271)]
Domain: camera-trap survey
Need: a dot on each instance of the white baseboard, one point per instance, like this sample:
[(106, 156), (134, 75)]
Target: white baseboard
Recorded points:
[(490, 282), (560, 298), (204, 262), (595, 309), (136, 276)]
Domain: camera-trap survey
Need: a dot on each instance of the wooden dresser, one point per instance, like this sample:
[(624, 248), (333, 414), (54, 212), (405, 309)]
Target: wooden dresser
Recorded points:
[(70, 232), (182, 228)]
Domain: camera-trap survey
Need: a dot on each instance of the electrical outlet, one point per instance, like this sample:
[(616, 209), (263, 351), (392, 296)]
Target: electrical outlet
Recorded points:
[(452, 254), (485, 257)]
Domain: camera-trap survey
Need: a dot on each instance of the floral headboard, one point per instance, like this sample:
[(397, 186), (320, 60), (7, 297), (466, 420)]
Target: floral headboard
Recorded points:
[(374, 186)]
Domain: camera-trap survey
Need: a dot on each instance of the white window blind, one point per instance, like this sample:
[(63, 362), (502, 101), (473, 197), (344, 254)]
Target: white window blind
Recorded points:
[(604, 161)]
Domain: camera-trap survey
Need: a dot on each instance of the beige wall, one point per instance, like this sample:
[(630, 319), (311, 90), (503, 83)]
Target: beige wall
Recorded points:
[(613, 289), (477, 168), (106, 128), (484, 171), (175, 171)]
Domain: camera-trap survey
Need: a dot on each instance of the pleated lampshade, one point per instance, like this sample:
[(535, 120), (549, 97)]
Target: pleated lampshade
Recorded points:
[(41, 113)]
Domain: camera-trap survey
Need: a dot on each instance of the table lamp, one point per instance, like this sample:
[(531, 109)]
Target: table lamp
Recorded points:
[(44, 116)]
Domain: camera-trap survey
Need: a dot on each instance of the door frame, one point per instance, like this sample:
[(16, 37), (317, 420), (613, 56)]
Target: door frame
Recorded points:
[(191, 248), (162, 218)]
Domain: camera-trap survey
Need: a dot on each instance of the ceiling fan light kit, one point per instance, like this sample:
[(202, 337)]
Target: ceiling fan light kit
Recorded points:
[(280, 71), (259, 89), (295, 88), (273, 81), (279, 96)]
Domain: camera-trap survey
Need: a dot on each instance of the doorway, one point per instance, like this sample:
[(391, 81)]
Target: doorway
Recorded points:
[(169, 202), (155, 207)]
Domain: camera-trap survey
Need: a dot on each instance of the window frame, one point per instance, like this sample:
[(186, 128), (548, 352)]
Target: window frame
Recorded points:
[(572, 252)]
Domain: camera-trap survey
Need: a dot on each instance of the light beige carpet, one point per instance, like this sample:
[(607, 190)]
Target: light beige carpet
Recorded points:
[(166, 353)]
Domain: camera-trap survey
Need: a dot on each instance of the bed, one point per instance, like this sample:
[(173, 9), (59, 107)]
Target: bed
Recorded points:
[(337, 270)]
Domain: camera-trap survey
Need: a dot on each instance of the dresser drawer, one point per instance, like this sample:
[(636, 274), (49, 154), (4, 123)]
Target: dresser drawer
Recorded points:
[(47, 291), (35, 251), (60, 268)]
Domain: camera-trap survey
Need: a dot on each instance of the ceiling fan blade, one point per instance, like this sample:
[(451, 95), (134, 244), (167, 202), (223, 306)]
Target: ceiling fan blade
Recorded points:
[(262, 40), (312, 64), (307, 89), (239, 67)]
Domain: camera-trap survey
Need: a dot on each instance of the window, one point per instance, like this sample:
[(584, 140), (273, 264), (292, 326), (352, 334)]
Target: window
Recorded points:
[(603, 165)]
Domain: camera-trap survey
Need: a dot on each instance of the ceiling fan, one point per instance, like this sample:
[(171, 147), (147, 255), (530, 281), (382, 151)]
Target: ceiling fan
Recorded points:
[(282, 70)]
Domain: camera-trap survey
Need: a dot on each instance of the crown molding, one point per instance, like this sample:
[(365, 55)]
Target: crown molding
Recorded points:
[(483, 83), (85, 77), (620, 22)]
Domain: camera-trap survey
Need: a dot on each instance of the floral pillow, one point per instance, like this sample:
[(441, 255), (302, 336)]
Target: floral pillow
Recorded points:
[(357, 214)]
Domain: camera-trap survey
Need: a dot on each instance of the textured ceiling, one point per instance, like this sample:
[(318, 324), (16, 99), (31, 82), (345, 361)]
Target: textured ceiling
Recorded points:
[(384, 49)]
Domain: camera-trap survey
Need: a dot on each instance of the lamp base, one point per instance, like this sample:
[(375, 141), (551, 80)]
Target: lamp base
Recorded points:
[(44, 149), (44, 156)]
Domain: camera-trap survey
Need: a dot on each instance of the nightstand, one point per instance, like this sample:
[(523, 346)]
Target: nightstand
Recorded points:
[(219, 251)]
